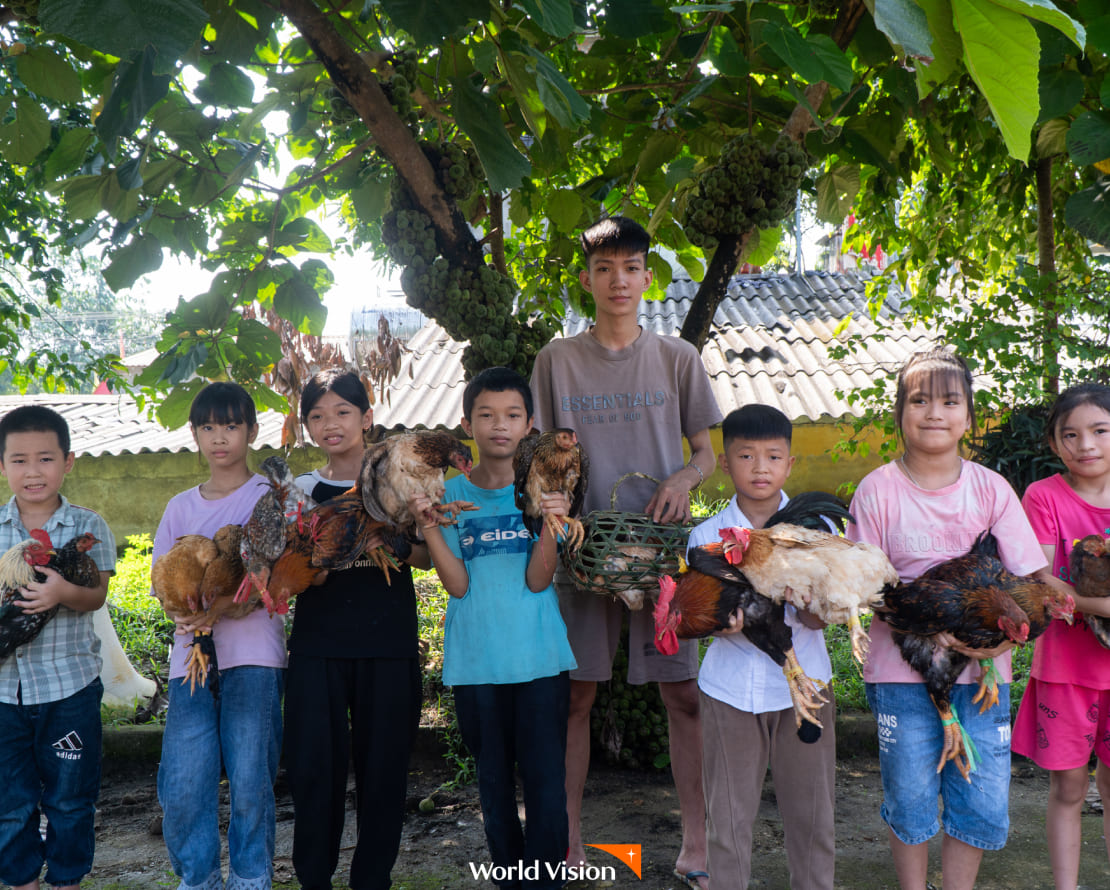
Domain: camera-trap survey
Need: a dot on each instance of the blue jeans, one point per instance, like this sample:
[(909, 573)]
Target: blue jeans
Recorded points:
[(910, 742), (49, 759), (243, 728), (521, 724)]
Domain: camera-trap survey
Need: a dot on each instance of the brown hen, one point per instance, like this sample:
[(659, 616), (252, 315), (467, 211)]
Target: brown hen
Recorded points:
[(1089, 568), (550, 463), (394, 471)]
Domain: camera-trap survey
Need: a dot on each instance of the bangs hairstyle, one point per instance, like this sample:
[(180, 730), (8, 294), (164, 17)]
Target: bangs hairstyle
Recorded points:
[(34, 419), (223, 403), (345, 384), (616, 235), (934, 371), (756, 423), (497, 379), (1096, 394)]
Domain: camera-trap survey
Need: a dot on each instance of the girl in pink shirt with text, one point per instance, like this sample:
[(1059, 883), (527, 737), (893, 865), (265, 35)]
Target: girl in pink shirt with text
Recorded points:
[(1065, 714)]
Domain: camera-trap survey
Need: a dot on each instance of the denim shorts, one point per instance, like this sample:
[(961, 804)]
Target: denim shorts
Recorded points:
[(911, 738)]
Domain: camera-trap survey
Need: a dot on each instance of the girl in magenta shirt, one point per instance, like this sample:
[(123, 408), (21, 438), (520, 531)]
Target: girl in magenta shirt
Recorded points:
[(1065, 714)]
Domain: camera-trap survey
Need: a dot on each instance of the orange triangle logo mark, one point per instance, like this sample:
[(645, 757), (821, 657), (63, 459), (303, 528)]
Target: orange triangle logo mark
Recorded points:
[(629, 854)]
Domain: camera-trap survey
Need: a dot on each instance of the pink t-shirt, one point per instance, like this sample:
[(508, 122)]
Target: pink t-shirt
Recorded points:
[(1059, 518), (917, 529), (256, 639)]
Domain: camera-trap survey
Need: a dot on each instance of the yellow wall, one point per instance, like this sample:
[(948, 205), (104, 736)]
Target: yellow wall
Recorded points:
[(131, 490)]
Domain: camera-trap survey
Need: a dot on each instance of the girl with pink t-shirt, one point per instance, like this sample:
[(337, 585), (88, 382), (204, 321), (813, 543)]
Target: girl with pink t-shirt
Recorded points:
[(1065, 714), (922, 509)]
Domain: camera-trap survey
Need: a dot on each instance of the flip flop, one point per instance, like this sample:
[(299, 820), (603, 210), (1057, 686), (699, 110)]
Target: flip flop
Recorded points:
[(690, 879)]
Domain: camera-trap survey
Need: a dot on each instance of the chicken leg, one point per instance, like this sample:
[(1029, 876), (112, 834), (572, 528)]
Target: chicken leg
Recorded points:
[(954, 748), (861, 642), (574, 533), (987, 696), (804, 692)]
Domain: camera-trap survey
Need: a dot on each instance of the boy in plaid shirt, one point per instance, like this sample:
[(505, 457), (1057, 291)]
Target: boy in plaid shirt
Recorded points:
[(50, 688)]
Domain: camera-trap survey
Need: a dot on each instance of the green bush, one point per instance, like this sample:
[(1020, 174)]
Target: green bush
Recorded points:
[(144, 631)]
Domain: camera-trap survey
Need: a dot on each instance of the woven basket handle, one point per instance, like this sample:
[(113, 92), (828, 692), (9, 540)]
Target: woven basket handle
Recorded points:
[(617, 484)]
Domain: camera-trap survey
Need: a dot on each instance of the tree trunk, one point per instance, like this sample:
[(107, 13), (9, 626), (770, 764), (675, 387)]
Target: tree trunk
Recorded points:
[(356, 81), (1046, 265), (730, 249)]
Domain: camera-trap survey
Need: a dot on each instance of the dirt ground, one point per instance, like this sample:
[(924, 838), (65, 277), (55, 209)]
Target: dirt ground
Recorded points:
[(620, 807)]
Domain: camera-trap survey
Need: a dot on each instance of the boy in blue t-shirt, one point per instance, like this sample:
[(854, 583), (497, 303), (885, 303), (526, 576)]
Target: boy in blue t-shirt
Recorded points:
[(505, 645)]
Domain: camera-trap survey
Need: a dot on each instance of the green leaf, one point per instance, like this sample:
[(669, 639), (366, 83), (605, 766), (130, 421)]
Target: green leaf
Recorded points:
[(123, 27), (226, 86), (559, 98), (84, 195), (429, 21), (1061, 89), (1002, 53), (1088, 211), (299, 304), (762, 251), (1046, 11), (173, 412), (556, 17), (725, 54), (48, 74), (945, 47), (1098, 35), (369, 199), (131, 262), (905, 24), (69, 153), (135, 91), (1053, 138), (836, 192), (303, 234), (480, 118), (564, 208), (837, 68), (794, 50), (23, 139), (632, 19), (1089, 138), (258, 342)]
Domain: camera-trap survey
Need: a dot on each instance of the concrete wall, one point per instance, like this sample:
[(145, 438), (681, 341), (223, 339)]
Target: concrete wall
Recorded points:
[(131, 490)]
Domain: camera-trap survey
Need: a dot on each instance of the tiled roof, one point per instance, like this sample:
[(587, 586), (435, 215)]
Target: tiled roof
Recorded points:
[(769, 343), (113, 425)]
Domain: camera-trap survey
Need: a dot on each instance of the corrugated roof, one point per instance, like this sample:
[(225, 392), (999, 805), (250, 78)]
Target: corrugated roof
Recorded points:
[(113, 424), (769, 343)]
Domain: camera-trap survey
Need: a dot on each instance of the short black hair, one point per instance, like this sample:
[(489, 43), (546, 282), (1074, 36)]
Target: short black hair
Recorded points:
[(345, 384), (756, 423), (615, 234), (34, 419), (223, 402), (496, 379)]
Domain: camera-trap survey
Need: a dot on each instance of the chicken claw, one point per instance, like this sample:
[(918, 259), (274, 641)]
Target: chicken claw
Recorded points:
[(987, 695), (954, 748), (447, 512), (574, 533), (861, 642), (384, 560), (804, 692)]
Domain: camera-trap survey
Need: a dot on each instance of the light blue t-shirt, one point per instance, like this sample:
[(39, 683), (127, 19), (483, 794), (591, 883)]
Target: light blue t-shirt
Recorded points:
[(500, 632)]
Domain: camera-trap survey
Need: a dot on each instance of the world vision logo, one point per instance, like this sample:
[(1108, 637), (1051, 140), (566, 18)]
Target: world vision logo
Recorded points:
[(629, 854), (563, 872)]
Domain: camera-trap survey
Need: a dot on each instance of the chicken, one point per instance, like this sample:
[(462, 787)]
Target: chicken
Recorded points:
[(335, 534), (403, 466), (713, 587), (974, 599), (202, 577), (549, 463), (700, 604), (795, 558), (265, 533), (1089, 567), (18, 569)]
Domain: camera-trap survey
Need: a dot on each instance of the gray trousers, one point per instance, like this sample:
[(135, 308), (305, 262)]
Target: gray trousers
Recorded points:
[(737, 748)]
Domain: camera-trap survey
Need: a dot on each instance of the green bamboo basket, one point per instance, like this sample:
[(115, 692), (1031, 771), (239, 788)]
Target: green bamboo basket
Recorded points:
[(623, 553)]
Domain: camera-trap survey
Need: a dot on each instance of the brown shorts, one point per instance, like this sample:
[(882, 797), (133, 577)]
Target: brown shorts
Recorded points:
[(594, 627)]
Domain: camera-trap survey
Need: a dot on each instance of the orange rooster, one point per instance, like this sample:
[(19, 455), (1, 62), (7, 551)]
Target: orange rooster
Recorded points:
[(331, 535), (200, 577)]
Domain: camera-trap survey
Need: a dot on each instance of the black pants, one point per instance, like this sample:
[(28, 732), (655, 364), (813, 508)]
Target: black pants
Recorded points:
[(522, 725), (340, 709)]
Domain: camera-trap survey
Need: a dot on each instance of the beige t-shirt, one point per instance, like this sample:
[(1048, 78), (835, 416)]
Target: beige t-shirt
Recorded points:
[(631, 408)]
